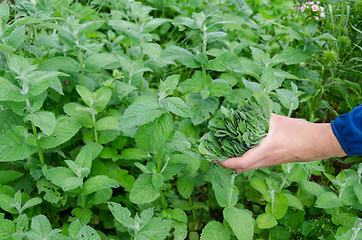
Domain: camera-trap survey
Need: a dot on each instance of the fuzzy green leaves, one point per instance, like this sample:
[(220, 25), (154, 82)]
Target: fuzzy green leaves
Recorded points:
[(143, 226), (144, 190), (140, 113), (152, 136), (44, 120), (214, 230), (241, 222), (226, 192), (16, 144), (235, 131)]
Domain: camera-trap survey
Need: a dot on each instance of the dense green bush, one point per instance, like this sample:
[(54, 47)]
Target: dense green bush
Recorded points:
[(103, 104)]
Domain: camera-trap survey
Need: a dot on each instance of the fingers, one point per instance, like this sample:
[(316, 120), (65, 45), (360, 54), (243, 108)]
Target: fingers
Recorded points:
[(250, 158)]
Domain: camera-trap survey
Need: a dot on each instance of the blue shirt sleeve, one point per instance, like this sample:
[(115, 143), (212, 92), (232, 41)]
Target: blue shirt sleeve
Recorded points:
[(348, 130)]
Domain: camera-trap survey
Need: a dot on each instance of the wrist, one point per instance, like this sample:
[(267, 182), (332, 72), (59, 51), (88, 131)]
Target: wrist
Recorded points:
[(329, 143)]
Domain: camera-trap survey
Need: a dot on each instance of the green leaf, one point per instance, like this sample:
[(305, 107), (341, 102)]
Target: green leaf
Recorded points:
[(241, 222), (65, 129), (180, 232), (157, 180), (10, 92), (358, 191), (270, 81), (153, 24), (224, 62), (8, 119), (82, 117), (97, 183), (107, 123), (280, 206), (214, 230), (87, 154), (57, 175), (41, 229), (140, 113), (178, 142), (347, 220), (85, 94), (7, 227), (189, 22), (259, 56), (101, 97), (143, 190), (121, 214), (14, 144), (16, 37), (226, 192), (156, 229), (31, 203), (328, 200), (102, 196), (44, 120), (123, 89), (266, 221), (182, 55), (60, 63), (220, 88), (288, 98), (312, 188), (74, 228), (100, 60), (169, 85), (293, 201), (290, 56), (7, 176), (19, 65), (133, 154), (151, 137), (202, 108), (185, 185), (40, 81), (6, 204), (193, 85), (4, 11), (87, 233), (71, 183)]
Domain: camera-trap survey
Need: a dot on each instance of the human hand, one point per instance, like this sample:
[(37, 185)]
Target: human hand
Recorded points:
[(289, 140)]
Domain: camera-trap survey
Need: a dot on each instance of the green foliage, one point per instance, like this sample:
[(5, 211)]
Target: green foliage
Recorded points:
[(236, 131), (107, 108)]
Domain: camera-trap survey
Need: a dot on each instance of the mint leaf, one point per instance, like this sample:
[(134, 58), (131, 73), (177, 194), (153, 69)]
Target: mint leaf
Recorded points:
[(44, 120), (176, 105), (152, 136), (140, 113), (241, 222), (143, 190), (97, 183), (214, 230)]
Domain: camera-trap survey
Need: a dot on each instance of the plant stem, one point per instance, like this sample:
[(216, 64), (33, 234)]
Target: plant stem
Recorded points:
[(192, 209), (41, 158), (81, 65), (159, 162), (94, 128)]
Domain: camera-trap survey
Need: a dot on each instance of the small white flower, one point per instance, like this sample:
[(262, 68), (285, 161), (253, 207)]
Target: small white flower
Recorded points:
[(315, 8), (318, 3), (316, 18), (322, 9), (323, 15), (303, 8)]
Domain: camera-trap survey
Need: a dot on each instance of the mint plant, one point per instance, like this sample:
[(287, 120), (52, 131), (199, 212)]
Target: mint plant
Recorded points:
[(107, 108)]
